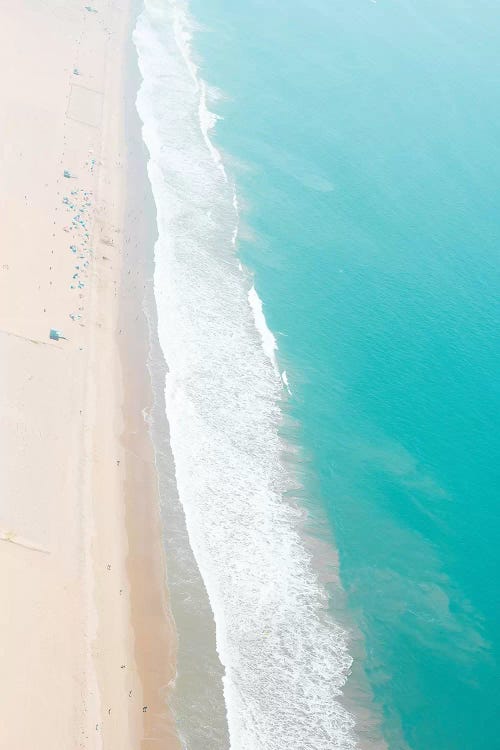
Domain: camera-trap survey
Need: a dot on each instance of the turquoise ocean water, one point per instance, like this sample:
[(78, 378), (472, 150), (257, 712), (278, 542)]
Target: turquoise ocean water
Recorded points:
[(363, 138), (354, 171)]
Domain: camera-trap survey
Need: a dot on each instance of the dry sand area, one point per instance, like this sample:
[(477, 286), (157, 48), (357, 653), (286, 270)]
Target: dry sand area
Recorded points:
[(86, 646)]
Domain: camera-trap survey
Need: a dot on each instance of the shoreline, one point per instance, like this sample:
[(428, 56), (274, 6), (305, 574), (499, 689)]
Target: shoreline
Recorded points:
[(151, 612), (197, 702), (223, 398)]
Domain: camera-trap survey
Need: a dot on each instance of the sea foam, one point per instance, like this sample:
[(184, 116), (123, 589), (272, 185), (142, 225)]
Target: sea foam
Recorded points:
[(285, 659)]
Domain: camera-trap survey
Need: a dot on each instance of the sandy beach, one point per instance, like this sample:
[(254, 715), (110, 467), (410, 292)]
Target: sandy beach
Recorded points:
[(87, 646)]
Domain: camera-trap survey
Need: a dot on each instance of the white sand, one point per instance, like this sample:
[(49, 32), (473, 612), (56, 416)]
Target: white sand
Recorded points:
[(72, 651)]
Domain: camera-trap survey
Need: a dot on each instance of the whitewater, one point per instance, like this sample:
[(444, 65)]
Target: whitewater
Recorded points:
[(285, 659)]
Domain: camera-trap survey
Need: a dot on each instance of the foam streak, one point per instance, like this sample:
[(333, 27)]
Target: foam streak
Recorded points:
[(285, 660)]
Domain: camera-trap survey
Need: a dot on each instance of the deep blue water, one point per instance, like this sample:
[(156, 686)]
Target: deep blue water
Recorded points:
[(363, 138)]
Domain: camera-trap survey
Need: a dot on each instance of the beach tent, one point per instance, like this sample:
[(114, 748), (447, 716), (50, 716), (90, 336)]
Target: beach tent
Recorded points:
[(55, 335)]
